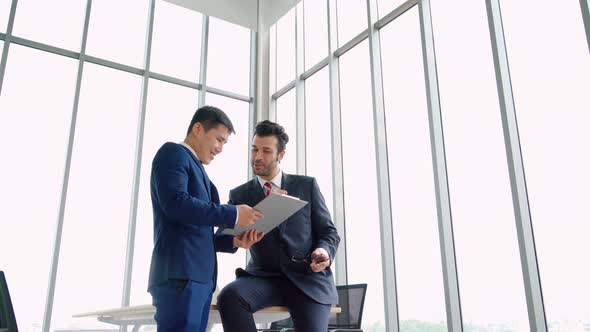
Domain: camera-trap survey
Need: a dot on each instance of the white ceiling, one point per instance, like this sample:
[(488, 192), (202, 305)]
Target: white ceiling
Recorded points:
[(241, 12)]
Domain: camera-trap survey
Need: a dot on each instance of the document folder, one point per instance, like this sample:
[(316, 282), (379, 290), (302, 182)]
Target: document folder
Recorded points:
[(276, 208)]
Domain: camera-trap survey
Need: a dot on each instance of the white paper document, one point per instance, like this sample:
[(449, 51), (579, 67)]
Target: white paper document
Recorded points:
[(275, 208)]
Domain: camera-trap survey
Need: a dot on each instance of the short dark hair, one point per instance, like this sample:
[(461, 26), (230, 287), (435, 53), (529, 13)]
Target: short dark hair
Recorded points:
[(269, 128), (210, 117)]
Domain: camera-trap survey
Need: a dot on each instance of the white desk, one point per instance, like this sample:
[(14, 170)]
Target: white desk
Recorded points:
[(137, 316)]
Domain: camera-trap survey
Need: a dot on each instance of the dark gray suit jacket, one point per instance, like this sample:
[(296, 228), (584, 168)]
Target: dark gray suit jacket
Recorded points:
[(308, 229)]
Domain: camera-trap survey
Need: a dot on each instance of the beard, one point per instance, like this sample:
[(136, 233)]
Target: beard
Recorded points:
[(266, 170)]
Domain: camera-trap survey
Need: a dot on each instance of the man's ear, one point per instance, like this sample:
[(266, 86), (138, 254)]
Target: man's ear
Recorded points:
[(197, 127), (281, 155)]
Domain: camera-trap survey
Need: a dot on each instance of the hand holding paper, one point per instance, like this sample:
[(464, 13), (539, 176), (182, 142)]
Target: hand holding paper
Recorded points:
[(248, 239), (274, 209), (247, 216)]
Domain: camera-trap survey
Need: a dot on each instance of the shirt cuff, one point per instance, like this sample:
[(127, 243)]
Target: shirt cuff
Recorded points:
[(237, 214)]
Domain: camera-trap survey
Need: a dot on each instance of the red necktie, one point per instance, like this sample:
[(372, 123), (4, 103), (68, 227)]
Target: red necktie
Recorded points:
[(267, 187)]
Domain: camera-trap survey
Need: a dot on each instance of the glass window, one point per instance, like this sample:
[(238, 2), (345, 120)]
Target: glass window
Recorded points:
[(234, 157), (384, 7), (226, 57), (318, 133), (550, 76), (352, 19), (176, 41), (287, 117), (169, 111), (285, 67), (93, 248), (4, 12), (483, 217), (272, 61), (117, 31), (360, 183), (315, 15), (413, 202), (45, 22), (36, 108)]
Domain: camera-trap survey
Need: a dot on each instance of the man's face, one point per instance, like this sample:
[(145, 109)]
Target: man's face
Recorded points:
[(209, 143), (265, 157)]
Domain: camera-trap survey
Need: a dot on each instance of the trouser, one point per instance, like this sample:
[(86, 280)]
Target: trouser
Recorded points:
[(182, 305), (246, 295)]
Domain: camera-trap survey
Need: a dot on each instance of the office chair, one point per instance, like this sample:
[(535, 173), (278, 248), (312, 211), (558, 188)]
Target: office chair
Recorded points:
[(351, 299), (7, 319)]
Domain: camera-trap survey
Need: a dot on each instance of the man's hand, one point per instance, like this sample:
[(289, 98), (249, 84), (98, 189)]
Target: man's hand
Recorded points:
[(247, 216), (320, 260), (279, 191), (247, 239)]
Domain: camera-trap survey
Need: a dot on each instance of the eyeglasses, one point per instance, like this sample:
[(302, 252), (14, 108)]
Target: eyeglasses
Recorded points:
[(304, 258)]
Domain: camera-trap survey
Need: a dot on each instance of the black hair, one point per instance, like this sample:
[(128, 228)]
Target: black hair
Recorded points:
[(210, 117), (268, 128)]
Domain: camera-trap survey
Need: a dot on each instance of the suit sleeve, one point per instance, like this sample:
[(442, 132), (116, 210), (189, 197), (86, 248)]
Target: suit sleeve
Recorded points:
[(170, 172), (323, 229), (224, 242)]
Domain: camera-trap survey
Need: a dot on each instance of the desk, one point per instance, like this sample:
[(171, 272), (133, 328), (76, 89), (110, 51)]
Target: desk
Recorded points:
[(137, 316)]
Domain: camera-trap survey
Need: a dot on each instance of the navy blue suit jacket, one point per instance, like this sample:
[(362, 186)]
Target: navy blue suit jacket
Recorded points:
[(186, 207), (308, 229)]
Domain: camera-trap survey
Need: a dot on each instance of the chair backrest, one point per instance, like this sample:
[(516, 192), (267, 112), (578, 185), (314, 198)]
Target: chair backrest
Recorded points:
[(351, 299), (7, 319)]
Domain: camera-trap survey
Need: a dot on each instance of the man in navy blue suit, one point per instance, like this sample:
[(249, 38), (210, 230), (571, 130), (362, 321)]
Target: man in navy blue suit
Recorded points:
[(290, 266), (186, 207)]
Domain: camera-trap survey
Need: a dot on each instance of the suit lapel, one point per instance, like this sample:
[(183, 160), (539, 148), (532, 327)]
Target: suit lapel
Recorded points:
[(206, 180), (256, 191)]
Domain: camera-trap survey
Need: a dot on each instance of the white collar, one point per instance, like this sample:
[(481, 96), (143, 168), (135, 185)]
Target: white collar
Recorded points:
[(276, 181), (190, 149)]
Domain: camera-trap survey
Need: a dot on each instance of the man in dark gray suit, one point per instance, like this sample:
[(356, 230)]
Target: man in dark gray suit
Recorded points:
[(290, 266)]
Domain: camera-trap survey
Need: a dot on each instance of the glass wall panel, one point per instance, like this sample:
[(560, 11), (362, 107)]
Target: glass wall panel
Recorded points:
[(176, 41), (490, 275), (234, 157), (45, 22), (285, 55), (4, 12), (352, 19), (35, 112), (315, 16), (287, 117), (551, 76), (117, 31), (318, 133), (415, 224), (360, 183), (93, 247), (169, 111), (384, 7), (228, 62)]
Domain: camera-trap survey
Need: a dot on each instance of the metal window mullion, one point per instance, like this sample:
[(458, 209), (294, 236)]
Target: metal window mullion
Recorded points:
[(524, 227), (443, 204), (586, 17), (263, 68), (336, 137), (203, 65), (382, 170), (128, 275), (7, 38), (301, 164), (272, 107), (64, 190), (397, 12), (253, 103)]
